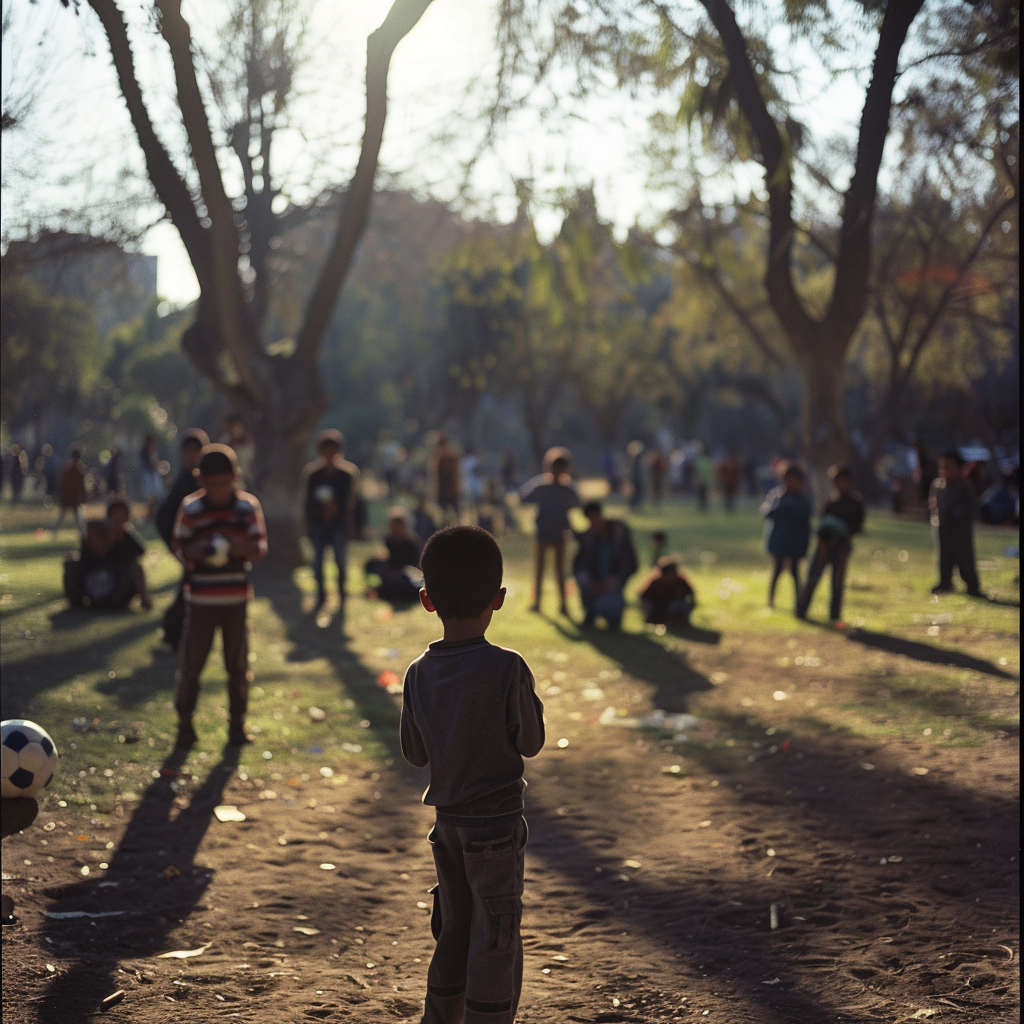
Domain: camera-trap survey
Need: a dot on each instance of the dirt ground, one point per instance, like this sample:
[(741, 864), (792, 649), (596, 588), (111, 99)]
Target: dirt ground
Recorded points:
[(892, 868)]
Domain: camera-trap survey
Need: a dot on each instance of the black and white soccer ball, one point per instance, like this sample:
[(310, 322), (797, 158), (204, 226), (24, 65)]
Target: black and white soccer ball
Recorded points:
[(29, 758)]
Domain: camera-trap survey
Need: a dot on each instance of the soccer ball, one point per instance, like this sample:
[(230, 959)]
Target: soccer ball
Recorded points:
[(29, 758)]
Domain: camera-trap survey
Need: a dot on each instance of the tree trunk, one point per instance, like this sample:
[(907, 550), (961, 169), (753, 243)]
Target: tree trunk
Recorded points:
[(824, 437)]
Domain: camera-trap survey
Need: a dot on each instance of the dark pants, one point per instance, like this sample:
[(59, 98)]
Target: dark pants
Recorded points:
[(173, 621), (324, 535), (779, 565), (476, 974), (201, 623), (835, 553), (956, 549)]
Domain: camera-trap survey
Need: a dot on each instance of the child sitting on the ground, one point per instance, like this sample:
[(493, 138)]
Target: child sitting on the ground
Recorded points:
[(397, 567), (667, 596), (107, 573)]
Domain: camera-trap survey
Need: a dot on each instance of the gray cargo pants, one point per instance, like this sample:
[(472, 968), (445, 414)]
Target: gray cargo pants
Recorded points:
[(476, 973)]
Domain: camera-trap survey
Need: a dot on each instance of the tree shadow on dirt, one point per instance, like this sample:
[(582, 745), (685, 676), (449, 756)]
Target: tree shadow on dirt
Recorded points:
[(832, 825), (669, 672), (921, 652), (310, 640), (152, 884)]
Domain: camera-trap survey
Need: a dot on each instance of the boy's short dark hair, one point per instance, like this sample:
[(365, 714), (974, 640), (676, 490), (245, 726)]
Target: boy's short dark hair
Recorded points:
[(195, 436), (593, 508), (119, 502), (668, 562), (330, 436), (461, 571), (218, 460), (953, 456), (840, 473)]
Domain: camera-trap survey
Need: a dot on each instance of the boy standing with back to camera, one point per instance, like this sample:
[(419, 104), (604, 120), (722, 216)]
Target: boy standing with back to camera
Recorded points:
[(471, 713)]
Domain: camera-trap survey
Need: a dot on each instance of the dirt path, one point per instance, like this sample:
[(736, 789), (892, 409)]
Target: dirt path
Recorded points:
[(892, 869)]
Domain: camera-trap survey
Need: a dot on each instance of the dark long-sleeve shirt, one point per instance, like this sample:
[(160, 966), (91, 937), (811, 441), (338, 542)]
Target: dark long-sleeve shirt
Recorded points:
[(185, 483), (472, 714)]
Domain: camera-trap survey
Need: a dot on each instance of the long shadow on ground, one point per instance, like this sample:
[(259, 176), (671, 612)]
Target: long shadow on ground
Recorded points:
[(927, 653), (669, 672), (139, 885), (831, 821)]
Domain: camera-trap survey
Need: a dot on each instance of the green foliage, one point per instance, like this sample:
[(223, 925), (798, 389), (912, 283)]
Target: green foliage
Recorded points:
[(51, 353)]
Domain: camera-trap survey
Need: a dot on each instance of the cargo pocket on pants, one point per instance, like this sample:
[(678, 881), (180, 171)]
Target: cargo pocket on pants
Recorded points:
[(503, 923), (435, 913)]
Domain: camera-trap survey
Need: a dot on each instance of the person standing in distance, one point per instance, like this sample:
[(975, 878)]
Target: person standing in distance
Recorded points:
[(331, 484), (218, 533)]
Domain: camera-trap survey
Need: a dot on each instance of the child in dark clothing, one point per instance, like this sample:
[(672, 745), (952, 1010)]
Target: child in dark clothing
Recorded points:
[(554, 494), (397, 567), (841, 520), (787, 510), (666, 596), (951, 501), (471, 713)]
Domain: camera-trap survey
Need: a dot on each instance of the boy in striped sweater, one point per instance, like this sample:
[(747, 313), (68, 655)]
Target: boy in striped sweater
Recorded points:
[(218, 533)]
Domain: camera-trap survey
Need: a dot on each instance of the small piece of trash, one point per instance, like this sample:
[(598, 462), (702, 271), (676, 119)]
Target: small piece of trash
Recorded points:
[(778, 695), (924, 1013), (867, 766), (228, 812), (51, 968), (421, 905), (631, 864), (563, 743), (113, 999), (704, 824), (671, 769), (317, 714), (352, 748), (327, 772), (773, 981), (592, 693), (326, 867), (302, 930), (773, 918), (918, 771), (64, 915), (183, 954), (268, 794)]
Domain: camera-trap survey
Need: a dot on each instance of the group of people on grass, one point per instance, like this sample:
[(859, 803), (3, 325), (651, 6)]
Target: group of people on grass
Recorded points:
[(787, 510)]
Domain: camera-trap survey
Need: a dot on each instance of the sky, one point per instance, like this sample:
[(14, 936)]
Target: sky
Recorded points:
[(77, 138)]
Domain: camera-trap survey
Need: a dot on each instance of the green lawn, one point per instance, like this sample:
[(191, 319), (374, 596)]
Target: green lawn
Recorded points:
[(909, 665)]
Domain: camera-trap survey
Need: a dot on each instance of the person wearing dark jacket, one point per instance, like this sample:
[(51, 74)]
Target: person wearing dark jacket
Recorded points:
[(192, 444), (604, 562), (331, 493), (952, 504), (841, 520)]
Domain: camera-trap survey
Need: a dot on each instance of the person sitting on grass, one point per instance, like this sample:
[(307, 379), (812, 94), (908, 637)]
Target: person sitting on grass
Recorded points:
[(107, 573), (952, 503), (554, 494), (667, 596), (787, 510), (841, 520), (470, 713), (218, 533), (604, 562), (397, 567)]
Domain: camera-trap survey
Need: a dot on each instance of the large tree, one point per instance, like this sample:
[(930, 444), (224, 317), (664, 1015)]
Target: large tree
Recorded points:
[(230, 233), (732, 77)]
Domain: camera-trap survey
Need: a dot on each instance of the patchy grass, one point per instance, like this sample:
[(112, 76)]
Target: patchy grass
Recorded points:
[(944, 669)]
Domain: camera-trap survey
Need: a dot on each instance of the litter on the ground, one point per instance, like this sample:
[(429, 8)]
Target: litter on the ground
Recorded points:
[(183, 954), (228, 812), (65, 915), (656, 719)]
